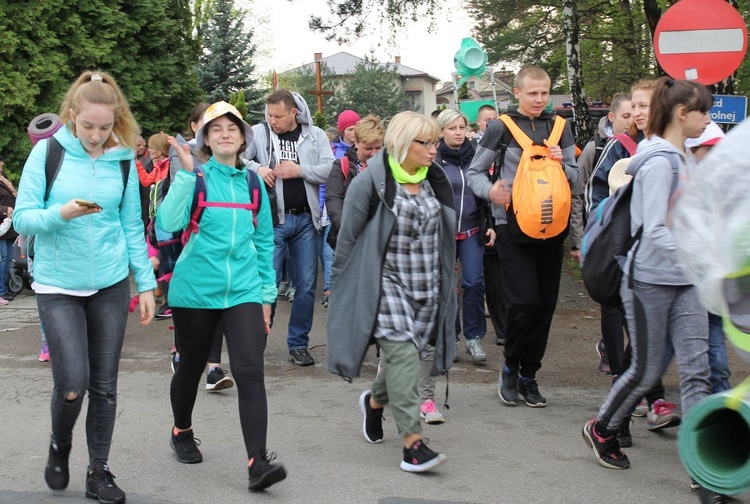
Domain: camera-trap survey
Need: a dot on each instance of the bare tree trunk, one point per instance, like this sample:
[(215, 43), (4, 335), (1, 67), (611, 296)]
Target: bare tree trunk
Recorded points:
[(575, 72)]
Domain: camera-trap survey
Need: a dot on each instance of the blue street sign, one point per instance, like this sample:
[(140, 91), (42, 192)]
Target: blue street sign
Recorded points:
[(729, 109)]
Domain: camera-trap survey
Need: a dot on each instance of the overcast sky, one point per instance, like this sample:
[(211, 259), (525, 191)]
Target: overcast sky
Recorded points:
[(284, 40)]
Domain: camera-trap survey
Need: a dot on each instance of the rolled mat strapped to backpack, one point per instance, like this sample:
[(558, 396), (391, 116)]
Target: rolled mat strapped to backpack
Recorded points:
[(43, 126), (714, 441)]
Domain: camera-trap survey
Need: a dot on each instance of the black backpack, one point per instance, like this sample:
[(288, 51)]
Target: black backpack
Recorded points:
[(607, 239)]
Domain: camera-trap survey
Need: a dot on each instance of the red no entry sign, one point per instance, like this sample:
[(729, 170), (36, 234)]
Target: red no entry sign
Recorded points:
[(701, 40)]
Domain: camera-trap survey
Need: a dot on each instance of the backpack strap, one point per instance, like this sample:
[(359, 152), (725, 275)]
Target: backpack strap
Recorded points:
[(196, 210), (345, 167), (200, 201), (52, 164), (522, 138), (500, 155), (627, 142), (125, 169), (557, 131), (253, 188)]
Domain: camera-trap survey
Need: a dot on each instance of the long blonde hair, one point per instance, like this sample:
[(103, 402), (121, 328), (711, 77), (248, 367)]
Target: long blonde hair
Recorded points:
[(100, 88)]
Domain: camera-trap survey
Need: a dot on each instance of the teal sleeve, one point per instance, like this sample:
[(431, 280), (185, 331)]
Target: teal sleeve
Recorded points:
[(29, 215), (174, 212), (264, 246)]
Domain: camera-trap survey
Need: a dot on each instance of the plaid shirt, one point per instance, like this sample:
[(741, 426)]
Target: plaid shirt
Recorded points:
[(411, 273)]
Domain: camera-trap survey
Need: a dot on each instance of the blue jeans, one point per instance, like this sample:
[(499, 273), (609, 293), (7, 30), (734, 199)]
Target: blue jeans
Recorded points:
[(85, 336), (325, 254), (6, 260), (470, 252), (298, 235)]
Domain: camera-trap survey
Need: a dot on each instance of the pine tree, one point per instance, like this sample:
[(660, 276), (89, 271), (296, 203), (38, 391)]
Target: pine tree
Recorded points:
[(226, 64)]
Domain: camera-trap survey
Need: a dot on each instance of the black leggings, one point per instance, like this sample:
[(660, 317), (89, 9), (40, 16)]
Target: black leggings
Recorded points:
[(246, 341)]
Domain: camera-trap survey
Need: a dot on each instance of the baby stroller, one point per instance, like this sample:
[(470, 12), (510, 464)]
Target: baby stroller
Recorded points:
[(20, 275)]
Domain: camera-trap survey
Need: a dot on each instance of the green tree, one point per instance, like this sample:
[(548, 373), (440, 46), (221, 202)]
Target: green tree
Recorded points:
[(370, 89), (145, 44), (226, 64), (238, 100), (319, 120)]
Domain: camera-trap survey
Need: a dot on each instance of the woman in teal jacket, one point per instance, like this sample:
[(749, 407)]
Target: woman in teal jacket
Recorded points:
[(223, 277), (89, 234)]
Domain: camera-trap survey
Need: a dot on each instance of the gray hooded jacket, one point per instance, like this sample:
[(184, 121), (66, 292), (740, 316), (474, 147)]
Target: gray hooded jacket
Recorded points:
[(651, 205), (314, 151)]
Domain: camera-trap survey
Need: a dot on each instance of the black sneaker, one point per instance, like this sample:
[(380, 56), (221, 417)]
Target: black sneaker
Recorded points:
[(301, 357), (185, 447), (163, 312), (528, 390), (507, 389), (606, 450), (263, 473), (100, 484), (217, 379), (710, 497), (56, 473), (624, 439), (372, 425), (419, 458)]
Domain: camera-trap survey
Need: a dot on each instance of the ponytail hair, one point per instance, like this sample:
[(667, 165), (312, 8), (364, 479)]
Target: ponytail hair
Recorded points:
[(100, 88), (670, 94)]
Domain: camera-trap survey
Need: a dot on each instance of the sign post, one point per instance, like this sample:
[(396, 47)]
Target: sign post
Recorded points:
[(701, 40)]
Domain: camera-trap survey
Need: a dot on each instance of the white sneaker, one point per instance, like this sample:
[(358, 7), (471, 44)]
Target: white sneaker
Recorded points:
[(474, 348), (429, 412)]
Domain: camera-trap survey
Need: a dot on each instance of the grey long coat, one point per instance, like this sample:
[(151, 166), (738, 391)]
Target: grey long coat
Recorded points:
[(356, 274)]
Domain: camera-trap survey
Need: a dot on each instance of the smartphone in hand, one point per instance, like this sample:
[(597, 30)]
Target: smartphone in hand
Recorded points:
[(88, 204)]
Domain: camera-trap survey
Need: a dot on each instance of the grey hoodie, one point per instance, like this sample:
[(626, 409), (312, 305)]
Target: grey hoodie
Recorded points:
[(314, 151), (652, 204)]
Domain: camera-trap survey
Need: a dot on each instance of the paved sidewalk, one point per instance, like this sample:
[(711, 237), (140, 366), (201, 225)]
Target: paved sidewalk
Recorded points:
[(496, 454)]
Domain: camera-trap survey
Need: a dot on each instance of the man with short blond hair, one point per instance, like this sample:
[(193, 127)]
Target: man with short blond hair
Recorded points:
[(530, 273)]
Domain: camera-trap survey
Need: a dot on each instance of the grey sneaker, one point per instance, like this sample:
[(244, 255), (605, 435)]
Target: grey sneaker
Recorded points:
[(474, 348)]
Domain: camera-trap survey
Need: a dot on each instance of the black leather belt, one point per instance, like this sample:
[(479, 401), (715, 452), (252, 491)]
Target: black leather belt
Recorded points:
[(297, 211)]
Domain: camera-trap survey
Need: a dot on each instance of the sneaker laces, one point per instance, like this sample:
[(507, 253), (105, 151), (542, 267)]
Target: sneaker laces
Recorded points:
[(609, 444), (429, 406), (105, 477)]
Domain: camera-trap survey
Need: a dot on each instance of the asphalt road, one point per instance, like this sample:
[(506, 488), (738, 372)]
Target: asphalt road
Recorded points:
[(496, 454)]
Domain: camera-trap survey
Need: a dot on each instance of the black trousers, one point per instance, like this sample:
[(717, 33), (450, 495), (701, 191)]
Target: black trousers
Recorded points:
[(246, 341), (493, 290), (530, 284)]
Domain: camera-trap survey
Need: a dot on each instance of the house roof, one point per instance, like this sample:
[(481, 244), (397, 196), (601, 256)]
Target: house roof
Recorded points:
[(344, 63)]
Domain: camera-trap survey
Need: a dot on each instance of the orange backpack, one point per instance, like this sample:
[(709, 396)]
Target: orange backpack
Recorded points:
[(540, 198)]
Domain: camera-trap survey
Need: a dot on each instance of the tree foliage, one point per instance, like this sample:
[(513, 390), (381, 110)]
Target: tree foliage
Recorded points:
[(146, 45), (371, 89), (226, 63), (351, 19)]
